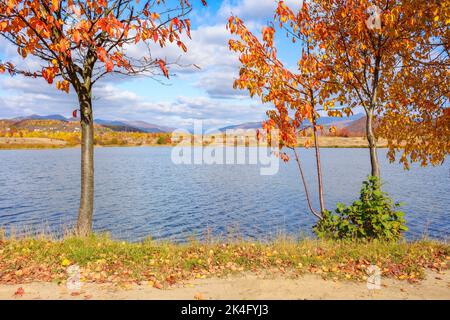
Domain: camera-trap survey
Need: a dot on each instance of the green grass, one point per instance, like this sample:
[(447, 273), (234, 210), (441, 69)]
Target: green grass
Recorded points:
[(105, 260)]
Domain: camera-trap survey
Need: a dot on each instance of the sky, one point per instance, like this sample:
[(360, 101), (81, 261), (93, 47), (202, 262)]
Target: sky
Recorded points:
[(190, 94)]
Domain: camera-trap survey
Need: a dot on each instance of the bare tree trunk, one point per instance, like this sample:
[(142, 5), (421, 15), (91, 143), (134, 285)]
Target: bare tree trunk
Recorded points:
[(371, 139), (319, 169), (85, 213), (308, 198)]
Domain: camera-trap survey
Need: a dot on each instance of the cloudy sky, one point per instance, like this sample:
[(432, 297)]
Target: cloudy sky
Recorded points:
[(190, 93)]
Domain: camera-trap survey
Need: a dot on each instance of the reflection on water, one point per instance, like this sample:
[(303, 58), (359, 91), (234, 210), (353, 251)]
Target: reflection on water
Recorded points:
[(140, 192)]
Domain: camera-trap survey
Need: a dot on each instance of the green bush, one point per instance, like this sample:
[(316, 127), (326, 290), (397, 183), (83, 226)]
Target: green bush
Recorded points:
[(163, 139), (373, 216)]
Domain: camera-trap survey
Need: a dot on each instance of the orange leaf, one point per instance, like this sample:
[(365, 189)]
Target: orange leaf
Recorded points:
[(162, 66)]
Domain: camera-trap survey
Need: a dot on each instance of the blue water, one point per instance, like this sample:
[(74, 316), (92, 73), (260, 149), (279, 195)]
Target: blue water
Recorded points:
[(139, 192)]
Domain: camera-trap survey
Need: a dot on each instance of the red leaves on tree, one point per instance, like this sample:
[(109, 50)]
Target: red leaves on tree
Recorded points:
[(55, 30), (109, 65), (101, 54), (162, 66)]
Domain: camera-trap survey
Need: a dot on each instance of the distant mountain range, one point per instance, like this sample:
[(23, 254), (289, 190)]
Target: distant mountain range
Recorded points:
[(354, 124), (116, 125), (339, 122)]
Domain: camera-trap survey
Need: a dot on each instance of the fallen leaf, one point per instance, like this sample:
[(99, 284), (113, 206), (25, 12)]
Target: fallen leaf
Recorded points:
[(65, 262), (158, 285), (199, 296), (19, 292)]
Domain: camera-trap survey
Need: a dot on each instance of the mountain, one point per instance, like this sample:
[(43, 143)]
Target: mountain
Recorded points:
[(325, 121), (116, 125), (148, 127), (38, 117), (138, 126), (244, 126), (358, 127)]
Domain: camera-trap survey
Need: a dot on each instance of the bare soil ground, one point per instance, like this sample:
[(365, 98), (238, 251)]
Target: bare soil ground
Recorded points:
[(24, 143), (247, 286)]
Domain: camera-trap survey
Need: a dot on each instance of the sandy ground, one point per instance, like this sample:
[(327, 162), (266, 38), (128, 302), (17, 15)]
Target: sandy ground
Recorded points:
[(435, 286), (17, 142)]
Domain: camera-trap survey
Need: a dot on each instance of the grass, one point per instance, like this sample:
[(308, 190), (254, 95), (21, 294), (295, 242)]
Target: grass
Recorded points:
[(105, 260), (14, 146)]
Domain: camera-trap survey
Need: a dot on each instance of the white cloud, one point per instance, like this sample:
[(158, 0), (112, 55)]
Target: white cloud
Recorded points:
[(220, 105), (25, 96), (254, 9)]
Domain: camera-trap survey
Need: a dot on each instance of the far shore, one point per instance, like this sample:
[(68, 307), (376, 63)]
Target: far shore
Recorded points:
[(46, 143)]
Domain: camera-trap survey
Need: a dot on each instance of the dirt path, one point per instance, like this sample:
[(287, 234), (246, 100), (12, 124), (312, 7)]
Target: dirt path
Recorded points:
[(435, 286)]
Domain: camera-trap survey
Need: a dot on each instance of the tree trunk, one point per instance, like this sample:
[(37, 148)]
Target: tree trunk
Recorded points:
[(371, 139), (319, 169), (308, 198), (85, 213)]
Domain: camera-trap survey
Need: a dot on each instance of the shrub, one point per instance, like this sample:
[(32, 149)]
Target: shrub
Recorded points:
[(373, 216), (163, 139)]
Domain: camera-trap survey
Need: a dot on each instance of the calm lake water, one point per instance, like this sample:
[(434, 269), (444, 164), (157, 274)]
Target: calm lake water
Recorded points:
[(140, 192)]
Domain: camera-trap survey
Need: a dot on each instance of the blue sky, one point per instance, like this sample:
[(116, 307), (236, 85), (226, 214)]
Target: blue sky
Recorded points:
[(190, 94)]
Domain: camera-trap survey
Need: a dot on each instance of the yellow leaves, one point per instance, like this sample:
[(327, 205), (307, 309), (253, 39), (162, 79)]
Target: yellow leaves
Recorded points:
[(65, 262), (154, 16), (63, 85), (76, 36), (3, 25), (64, 45), (267, 33), (55, 5), (350, 75)]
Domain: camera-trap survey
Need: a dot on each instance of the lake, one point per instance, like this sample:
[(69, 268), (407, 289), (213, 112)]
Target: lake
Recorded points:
[(140, 192)]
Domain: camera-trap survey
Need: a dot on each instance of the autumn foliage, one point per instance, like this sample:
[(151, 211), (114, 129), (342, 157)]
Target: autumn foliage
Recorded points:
[(66, 33), (296, 95), (77, 43), (372, 55), (379, 54)]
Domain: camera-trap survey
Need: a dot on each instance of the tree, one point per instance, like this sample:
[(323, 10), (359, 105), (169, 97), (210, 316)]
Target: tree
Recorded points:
[(417, 122), (79, 42), (372, 49), (296, 96)]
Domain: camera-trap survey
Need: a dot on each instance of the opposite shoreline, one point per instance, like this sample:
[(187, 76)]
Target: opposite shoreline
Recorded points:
[(46, 143)]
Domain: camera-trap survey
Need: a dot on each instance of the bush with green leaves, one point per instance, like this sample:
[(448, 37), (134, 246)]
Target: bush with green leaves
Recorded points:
[(373, 216)]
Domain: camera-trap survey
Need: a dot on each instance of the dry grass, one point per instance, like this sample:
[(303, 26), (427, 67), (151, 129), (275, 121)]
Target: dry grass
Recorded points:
[(30, 143), (105, 260)]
